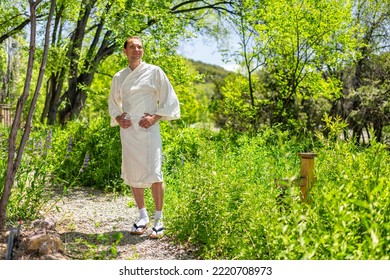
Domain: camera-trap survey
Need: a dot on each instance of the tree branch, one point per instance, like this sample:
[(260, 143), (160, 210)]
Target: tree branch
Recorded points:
[(14, 30), (216, 6)]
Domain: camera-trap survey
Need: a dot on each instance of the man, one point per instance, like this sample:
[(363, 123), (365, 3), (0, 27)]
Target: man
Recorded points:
[(141, 95)]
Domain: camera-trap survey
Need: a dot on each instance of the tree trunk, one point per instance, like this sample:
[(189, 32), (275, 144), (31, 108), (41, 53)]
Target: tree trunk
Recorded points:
[(11, 170), (54, 86), (7, 79), (4, 83), (378, 127), (75, 95), (14, 163), (77, 98)]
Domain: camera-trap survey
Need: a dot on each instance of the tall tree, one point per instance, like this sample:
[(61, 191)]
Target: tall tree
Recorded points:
[(250, 55), (57, 71), (15, 153), (12, 23), (373, 19), (304, 38), (296, 43), (8, 70)]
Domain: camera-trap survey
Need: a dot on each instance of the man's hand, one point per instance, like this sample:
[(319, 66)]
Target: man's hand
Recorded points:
[(148, 120), (123, 121)]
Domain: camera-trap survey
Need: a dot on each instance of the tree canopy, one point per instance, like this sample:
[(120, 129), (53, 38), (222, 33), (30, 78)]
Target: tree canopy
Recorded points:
[(302, 58)]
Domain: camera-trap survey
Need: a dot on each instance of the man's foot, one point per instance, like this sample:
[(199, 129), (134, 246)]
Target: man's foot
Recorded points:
[(158, 230), (140, 227)]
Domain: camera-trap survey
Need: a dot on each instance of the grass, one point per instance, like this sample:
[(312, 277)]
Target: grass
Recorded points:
[(221, 194), (226, 202)]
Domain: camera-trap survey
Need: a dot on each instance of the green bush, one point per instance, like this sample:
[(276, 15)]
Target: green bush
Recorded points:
[(89, 154), (226, 202), (29, 193), (221, 193)]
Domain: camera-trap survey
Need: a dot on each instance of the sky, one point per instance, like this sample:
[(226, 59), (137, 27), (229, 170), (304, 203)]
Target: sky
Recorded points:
[(205, 50)]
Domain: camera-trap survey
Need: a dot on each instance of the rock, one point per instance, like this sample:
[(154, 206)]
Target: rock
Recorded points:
[(47, 224), (45, 244)]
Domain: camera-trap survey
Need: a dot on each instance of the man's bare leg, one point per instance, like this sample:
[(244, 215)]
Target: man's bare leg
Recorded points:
[(158, 195), (141, 225), (139, 197)]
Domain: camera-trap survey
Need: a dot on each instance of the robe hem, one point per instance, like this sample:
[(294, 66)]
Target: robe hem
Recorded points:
[(141, 185)]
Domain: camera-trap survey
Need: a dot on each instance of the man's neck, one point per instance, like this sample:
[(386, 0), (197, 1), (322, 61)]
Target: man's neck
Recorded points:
[(135, 64)]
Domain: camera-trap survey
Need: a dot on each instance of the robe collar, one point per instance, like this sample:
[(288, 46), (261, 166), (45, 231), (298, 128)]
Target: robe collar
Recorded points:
[(138, 67)]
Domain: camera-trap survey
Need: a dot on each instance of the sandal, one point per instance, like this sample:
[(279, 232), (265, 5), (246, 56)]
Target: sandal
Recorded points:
[(138, 229), (158, 231)]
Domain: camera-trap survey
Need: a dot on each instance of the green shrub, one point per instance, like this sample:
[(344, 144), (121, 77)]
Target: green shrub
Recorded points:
[(29, 193), (227, 204), (89, 154), (220, 189)]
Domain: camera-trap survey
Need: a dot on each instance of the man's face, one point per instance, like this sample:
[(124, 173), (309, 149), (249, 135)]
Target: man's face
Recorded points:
[(134, 50)]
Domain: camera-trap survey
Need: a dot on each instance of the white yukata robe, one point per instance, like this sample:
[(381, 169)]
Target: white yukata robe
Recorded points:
[(146, 89)]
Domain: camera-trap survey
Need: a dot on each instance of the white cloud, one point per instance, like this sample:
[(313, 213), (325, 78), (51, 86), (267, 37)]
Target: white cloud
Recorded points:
[(231, 67)]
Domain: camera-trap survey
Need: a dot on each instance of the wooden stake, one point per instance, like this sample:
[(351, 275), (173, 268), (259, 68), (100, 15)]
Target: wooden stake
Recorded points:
[(307, 174)]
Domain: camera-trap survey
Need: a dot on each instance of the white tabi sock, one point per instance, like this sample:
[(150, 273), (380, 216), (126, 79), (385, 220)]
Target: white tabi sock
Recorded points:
[(158, 215), (143, 217)]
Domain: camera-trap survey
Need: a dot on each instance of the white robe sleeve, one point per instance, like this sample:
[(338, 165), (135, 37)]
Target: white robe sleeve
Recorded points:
[(168, 103), (115, 101)]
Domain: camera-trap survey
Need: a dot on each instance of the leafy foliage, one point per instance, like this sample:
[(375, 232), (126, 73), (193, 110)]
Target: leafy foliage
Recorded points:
[(88, 154), (233, 109), (29, 195), (226, 201), (220, 188)]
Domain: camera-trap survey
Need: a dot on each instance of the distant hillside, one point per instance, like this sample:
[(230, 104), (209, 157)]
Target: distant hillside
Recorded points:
[(210, 72)]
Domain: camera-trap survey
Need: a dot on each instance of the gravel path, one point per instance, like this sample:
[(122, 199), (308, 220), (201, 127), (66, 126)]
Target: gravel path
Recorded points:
[(95, 225), (90, 213)]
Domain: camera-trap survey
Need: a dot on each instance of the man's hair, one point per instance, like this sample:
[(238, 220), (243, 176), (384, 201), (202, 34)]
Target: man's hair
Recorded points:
[(132, 37)]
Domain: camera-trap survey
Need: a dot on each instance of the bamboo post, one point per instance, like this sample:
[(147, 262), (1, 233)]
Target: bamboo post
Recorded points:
[(5, 115), (307, 174)]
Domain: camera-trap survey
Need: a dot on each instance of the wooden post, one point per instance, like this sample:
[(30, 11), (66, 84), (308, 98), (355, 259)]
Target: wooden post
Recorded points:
[(5, 115), (307, 174)]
